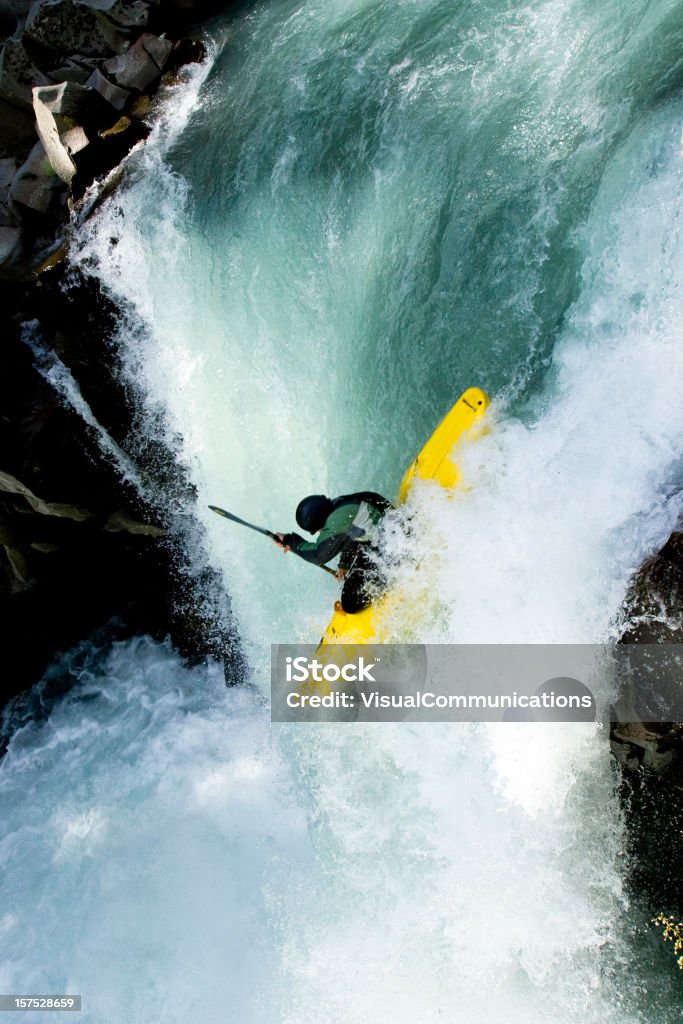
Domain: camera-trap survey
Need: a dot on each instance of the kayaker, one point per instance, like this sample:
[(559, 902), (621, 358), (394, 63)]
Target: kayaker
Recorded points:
[(347, 526)]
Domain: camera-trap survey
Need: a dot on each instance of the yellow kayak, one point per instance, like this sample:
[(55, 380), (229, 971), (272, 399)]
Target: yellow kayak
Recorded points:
[(433, 463)]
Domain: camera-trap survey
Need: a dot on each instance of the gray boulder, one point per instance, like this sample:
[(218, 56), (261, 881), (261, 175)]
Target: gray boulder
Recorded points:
[(77, 69), (18, 73), (142, 64), (35, 184), (112, 93), (10, 244), (69, 27)]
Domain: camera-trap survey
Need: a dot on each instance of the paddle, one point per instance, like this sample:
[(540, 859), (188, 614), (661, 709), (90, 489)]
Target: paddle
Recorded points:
[(266, 533)]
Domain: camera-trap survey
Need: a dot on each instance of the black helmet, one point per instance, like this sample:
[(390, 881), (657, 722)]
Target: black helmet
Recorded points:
[(311, 512)]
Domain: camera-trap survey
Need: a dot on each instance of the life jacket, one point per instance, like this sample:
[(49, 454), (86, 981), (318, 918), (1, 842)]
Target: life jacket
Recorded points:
[(361, 529), (358, 532)]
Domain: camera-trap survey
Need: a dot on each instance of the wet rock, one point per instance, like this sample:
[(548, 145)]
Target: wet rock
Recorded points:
[(186, 51), (67, 27), (78, 543), (124, 124), (119, 521), (76, 69), (141, 105), (101, 161), (10, 485), (111, 92), (142, 64), (640, 745), (35, 184), (655, 616), (655, 601)]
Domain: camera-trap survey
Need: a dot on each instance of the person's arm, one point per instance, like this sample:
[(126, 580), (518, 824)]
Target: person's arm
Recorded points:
[(331, 540), (323, 550)]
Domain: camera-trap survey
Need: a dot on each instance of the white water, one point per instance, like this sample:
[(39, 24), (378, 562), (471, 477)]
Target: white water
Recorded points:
[(191, 863), (144, 825)]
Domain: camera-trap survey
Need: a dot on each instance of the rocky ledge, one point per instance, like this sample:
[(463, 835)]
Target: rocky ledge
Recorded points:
[(95, 509), (87, 539), (655, 616), (76, 84)]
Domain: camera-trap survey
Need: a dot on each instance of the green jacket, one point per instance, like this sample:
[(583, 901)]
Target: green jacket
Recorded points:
[(353, 521)]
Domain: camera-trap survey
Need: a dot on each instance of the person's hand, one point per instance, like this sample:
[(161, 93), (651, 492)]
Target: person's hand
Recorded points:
[(340, 574), (279, 539)]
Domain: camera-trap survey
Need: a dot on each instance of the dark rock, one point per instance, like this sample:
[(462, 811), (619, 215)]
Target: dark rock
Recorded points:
[(189, 12), (13, 14), (79, 541), (68, 27), (645, 745), (35, 184), (121, 521), (142, 64), (17, 131), (655, 616), (650, 755), (9, 23), (57, 494), (77, 69), (10, 245), (8, 168), (112, 93), (18, 73), (10, 485), (141, 105), (80, 544), (105, 154), (653, 841), (655, 601), (186, 51)]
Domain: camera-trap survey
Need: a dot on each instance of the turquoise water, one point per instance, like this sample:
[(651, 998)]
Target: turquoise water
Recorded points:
[(350, 214)]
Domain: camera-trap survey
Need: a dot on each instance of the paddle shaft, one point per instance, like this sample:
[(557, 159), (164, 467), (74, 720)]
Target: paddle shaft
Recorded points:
[(266, 533)]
